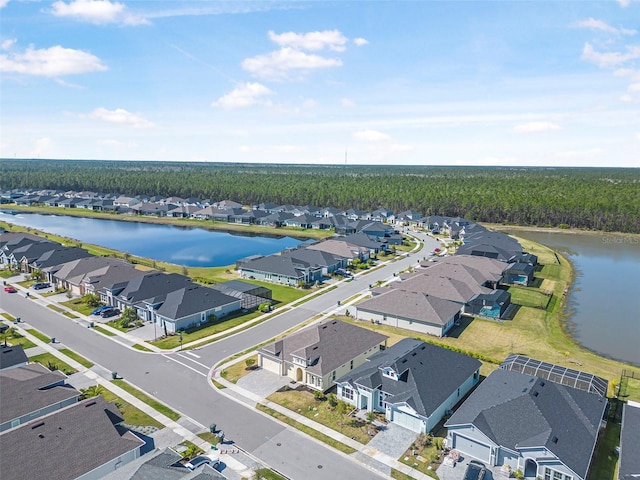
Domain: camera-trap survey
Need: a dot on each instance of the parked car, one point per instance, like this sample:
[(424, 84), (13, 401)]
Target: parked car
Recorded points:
[(109, 312), (475, 471), (101, 309), (40, 285), (210, 459), (10, 289), (343, 273)]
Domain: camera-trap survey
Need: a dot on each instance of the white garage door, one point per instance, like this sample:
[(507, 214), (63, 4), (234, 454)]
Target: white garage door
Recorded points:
[(408, 421), (271, 365), (472, 448)]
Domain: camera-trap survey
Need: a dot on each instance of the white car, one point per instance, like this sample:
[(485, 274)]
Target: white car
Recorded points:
[(195, 462)]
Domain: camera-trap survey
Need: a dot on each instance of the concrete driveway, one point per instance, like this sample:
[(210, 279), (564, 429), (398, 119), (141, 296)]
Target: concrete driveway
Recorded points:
[(392, 440), (262, 382)]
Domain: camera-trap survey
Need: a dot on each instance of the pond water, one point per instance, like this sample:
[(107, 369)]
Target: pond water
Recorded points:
[(605, 298), (193, 247)]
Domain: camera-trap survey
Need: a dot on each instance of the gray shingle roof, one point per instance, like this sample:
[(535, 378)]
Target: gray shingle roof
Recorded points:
[(11, 356), (459, 290), (29, 388), (517, 411), (630, 442), (153, 285), (326, 346), (484, 264), (277, 264), (67, 443), (191, 300), (428, 374), (412, 305)]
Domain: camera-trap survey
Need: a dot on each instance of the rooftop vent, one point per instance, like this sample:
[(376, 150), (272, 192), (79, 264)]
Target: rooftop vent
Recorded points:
[(88, 404), (554, 439), (36, 425)]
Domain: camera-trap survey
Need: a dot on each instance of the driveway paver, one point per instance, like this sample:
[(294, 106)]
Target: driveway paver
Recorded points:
[(262, 382), (393, 440)]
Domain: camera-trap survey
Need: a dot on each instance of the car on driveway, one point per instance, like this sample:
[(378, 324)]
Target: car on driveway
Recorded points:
[(10, 289), (101, 309), (110, 312), (475, 471), (210, 459), (40, 285)]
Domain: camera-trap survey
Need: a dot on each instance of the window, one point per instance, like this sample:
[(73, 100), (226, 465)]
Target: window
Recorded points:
[(351, 365), (333, 376), (347, 393)]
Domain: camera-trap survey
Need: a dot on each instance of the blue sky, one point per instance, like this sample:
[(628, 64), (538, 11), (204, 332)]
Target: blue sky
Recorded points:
[(414, 82)]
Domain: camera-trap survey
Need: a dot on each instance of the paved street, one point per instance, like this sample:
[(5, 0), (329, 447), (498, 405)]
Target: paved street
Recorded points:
[(181, 379)]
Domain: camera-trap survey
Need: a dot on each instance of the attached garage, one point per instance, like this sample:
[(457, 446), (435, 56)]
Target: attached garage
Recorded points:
[(270, 365), (472, 448), (408, 421)]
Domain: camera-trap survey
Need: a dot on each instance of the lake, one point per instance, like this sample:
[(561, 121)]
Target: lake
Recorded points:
[(605, 298), (193, 247)]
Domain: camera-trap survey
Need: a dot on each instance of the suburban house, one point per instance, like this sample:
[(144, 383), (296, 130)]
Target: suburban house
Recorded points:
[(414, 311), (454, 289), (492, 305), (490, 268), (414, 383), (327, 262), (318, 354), (29, 391), (490, 244), (165, 465), (84, 441), (56, 257), (12, 356), (629, 466), (519, 273), (342, 248), (70, 275), (281, 269), (540, 427), (189, 306)]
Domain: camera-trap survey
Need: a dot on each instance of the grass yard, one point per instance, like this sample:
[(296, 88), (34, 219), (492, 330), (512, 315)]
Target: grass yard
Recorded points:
[(426, 451), (132, 415), (398, 475), (268, 474), (209, 437), (53, 363), (238, 370), (6, 273), (160, 407), (20, 340), (40, 336), (304, 403), (8, 316), (142, 348), (220, 325), (605, 462), (104, 331), (81, 360), (55, 308), (309, 431), (79, 306), (528, 297)]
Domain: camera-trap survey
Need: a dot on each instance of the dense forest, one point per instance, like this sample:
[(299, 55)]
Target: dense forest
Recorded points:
[(592, 198)]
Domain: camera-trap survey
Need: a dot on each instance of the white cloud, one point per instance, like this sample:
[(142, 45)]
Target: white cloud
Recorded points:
[(626, 98), (98, 12), (638, 136), (309, 103), (347, 102), (360, 41), (313, 41), (42, 148), (634, 87), (535, 127), (580, 154), (243, 95), (4, 3), (121, 116), (372, 136), (7, 44), (594, 24), (51, 62), (624, 3), (116, 144), (276, 65), (609, 59)]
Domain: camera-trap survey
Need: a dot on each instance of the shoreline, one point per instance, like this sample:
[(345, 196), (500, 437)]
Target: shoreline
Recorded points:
[(568, 231)]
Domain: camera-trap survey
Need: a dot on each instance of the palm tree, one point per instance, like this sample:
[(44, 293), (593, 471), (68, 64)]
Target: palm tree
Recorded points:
[(92, 391)]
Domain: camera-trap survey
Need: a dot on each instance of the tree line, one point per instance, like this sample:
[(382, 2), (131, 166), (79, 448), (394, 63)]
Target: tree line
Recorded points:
[(592, 198)]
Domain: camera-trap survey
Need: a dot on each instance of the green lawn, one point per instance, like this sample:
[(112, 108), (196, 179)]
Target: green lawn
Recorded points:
[(605, 461), (132, 415), (8, 316), (142, 348), (40, 336), (156, 405), (6, 273), (304, 403), (78, 358), (209, 437), (55, 308), (48, 360), (309, 431), (104, 331), (238, 370), (18, 339), (528, 297), (79, 306)]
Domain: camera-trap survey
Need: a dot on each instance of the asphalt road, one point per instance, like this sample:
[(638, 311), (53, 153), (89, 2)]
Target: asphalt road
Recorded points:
[(181, 379)]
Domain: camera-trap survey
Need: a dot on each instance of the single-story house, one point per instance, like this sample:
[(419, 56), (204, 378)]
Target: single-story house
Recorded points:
[(29, 391), (519, 273), (414, 311), (629, 468), (189, 307), (414, 383), (281, 269), (12, 356), (340, 247), (542, 428), (85, 441), (250, 295), (490, 268), (492, 305), (318, 354)]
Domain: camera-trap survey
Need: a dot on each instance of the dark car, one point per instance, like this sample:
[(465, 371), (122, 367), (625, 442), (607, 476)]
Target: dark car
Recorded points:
[(101, 309), (475, 471), (109, 312), (40, 285)]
